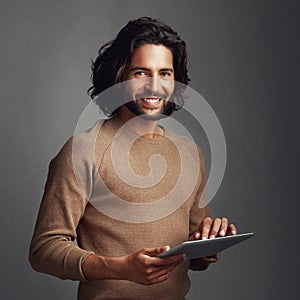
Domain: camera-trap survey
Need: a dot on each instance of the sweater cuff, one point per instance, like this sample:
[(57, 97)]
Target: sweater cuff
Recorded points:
[(73, 263)]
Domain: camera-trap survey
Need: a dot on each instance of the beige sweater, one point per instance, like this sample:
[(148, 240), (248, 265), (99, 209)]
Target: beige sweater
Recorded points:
[(69, 211)]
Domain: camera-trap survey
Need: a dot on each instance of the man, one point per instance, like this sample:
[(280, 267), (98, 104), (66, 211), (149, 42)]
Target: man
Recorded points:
[(116, 258)]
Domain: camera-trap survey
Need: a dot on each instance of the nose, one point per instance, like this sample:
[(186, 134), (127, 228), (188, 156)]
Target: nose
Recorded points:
[(153, 85)]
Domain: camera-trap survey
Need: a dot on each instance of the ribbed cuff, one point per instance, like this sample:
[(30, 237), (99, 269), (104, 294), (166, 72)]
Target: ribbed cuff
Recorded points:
[(73, 263)]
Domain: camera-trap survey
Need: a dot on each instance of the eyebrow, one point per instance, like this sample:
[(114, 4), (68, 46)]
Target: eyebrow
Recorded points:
[(146, 69)]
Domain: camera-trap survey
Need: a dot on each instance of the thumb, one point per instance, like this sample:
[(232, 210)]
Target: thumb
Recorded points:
[(156, 251)]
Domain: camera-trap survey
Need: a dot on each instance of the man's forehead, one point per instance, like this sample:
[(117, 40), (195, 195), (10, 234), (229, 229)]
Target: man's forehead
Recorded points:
[(149, 55)]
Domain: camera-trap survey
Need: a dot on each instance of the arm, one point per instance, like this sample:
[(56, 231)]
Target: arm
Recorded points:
[(141, 266), (52, 248), (202, 226)]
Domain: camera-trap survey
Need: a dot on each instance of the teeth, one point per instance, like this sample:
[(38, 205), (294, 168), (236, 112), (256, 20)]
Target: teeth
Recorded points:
[(151, 100)]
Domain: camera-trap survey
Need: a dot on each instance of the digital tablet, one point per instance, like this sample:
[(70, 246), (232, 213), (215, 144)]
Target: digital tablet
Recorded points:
[(208, 247)]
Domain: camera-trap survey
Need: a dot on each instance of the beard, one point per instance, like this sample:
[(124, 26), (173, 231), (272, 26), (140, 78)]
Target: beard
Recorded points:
[(166, 110)]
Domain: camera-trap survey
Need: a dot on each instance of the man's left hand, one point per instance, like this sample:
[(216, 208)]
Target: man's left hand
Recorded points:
[(210, 228)]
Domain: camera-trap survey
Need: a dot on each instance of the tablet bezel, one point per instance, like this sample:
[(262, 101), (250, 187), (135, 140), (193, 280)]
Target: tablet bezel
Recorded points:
[(207, 247)]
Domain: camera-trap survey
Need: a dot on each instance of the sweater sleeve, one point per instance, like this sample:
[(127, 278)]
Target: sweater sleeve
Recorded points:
[(197, 214), (52, 248)]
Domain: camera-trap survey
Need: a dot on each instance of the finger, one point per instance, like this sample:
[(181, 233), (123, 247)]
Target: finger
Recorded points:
[(153, 272), (157, 272), (160, 279), (173, 260), (215, 228), (207, 222), (224, 227), (153, 260), (231, 229), (157, 276), (197, 235), (164, 277)]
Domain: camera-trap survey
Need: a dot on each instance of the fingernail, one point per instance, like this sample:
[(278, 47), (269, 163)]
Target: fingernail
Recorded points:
[(212, 236), (204, 238), (222, 232)]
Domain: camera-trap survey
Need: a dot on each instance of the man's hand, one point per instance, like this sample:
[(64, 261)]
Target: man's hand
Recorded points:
[(211, 228), (142, 266)]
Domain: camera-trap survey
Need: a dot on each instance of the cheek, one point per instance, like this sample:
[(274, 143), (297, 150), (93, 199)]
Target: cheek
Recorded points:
[(169, 90), (131, 89), (169, 85), (134, 86)]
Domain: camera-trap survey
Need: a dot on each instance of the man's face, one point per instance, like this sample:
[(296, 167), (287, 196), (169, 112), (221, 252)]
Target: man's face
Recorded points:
[(151, 81)]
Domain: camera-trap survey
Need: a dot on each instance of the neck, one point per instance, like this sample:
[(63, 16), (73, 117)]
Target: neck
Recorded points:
[(139, 125)]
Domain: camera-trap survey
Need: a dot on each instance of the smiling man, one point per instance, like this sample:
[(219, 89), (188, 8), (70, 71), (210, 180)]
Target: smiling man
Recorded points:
[(150, 63), (116, 258)]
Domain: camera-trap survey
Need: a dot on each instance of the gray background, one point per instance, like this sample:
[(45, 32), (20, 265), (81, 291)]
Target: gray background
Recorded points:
[(242, 60)]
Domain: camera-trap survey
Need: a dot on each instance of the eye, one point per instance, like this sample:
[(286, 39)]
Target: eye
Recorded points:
[(139, 74), (165, 74)]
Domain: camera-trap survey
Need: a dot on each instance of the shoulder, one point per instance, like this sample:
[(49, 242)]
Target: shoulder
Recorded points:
[(76, 162), (87, 147), (78, 146), (82, 142)]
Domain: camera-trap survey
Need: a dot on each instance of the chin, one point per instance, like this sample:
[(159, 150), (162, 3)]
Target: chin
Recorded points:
[(152, 117)]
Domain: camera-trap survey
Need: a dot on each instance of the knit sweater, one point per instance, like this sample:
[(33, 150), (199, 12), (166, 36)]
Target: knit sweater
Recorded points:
[(72, 208)]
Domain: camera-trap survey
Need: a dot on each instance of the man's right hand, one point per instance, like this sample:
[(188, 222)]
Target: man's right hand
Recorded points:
[(142, 266)]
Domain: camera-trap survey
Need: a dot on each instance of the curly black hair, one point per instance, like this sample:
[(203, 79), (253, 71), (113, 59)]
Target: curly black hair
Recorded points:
[(113, 57)]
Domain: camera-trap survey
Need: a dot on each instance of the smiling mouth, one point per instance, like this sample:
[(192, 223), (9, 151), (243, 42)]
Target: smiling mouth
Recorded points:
[(151, 101)]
